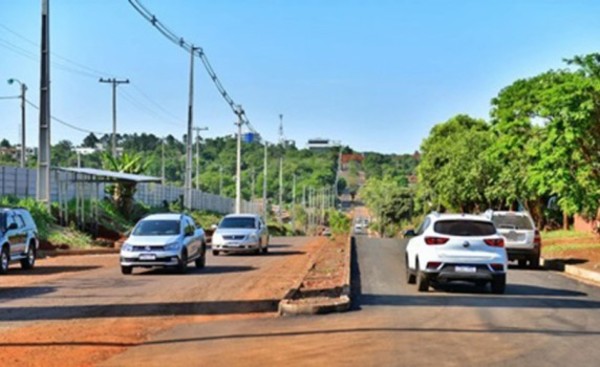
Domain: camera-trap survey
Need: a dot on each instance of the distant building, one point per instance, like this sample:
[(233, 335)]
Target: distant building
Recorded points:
[(321, 144)]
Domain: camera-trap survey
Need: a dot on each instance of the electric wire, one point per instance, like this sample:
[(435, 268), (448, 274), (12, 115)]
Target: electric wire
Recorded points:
[(198, 52), (62, 122)]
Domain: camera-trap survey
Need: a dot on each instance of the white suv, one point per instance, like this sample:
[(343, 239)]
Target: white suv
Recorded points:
[(449, 247), (523, 240)]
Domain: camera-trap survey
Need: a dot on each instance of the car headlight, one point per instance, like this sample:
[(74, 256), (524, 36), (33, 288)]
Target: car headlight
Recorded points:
[(172, 246), (127, 247), (217, 237), (253, 237)]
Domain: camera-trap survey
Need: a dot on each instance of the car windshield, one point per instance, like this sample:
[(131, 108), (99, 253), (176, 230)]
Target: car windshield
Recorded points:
[(512, 222), (157, 228), (465, 228), (2, 221), (237, 222)]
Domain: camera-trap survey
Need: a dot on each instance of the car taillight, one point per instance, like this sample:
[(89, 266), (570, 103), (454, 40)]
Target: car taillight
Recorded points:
[(494, 242), (537, 239), (433, 264), (436, 240)]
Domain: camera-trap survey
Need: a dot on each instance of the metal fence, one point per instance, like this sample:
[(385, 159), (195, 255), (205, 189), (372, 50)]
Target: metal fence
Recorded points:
[(21, 183)]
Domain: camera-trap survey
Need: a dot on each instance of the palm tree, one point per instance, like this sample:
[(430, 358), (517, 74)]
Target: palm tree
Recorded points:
[(123, 192)]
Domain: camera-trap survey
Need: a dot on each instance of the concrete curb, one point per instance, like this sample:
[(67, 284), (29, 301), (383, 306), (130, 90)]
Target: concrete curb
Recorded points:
[(578, 272), (54, 253), (288, 306)]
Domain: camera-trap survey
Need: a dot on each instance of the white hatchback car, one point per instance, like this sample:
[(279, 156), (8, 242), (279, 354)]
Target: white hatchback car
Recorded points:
[(450, 247), (240, 233)]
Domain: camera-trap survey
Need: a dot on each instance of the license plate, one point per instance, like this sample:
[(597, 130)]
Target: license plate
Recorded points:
[(465, 269), (147, 257)]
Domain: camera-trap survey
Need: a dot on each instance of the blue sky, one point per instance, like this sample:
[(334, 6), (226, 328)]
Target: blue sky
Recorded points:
[(376, 75)]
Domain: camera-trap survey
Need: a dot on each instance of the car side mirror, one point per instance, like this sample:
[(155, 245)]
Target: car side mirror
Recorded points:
[(409, 233), (12, 226)]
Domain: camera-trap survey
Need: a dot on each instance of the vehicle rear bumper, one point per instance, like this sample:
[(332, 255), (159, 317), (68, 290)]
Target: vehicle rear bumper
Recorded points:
[(522, 253), (448, 272)]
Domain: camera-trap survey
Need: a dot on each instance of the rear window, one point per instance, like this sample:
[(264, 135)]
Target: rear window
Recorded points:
[(512, 222), (464, 228)]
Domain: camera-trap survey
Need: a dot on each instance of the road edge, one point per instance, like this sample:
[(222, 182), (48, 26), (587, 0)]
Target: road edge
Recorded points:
[(340, 304), (573, 270)]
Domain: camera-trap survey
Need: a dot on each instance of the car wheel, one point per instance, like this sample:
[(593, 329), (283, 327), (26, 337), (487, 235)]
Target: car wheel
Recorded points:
[(201, 261), (499, 284), (4, 260), (183, 260), (29, 261), (126, 270), (215, 252), (410, 277), (534, 262), (422, 280)]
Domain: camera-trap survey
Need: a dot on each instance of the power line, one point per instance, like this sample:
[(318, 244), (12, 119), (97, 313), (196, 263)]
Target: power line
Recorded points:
[(62, 122), (9, 97), (156, 104), (144, 108), (198, 52)]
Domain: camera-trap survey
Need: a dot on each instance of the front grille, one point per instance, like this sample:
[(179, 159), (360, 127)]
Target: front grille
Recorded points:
[(234, 237), (148, 248)]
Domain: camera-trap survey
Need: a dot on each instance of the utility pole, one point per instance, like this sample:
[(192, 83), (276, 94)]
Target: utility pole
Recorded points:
[(162, 161), (282, 145), (197, 130), (114, 82), (187, 197), (294, 204), (220, 180), (43, 172), (265, 209), (238, 170), (23, 99)]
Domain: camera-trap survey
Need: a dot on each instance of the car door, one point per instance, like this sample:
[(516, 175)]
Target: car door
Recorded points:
[(15, 235), (189, 238)]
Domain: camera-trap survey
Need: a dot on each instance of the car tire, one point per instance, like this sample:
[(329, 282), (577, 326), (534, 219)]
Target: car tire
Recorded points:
[(29, 261), (534, 262), (410, 276), (201, 261), (126, 270), (183, 262), (4, 260), (499, 284), (215, 252), (422, 280)]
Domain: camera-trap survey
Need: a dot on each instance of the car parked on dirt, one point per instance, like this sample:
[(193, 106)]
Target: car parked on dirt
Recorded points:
[(241, 233), (18, 238), (164, 240), (523, 241), (456, 247)]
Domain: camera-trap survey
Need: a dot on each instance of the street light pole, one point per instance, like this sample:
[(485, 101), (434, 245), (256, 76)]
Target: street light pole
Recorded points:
[(23, 100), (238, 168), (43, 169)]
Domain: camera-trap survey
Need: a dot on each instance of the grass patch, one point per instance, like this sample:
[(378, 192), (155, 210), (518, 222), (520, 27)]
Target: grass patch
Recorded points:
[(70, 237), (568, 247), (558, 234)]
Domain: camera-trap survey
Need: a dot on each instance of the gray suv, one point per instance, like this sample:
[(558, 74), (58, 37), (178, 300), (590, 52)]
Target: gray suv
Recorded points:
[(18, 238), (523, 240)]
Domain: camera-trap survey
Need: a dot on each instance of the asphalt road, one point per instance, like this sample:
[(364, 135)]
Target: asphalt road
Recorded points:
[(544, 319)]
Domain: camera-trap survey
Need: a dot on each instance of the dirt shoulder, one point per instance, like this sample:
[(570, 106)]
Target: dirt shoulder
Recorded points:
[(80, 311), (580, 249)]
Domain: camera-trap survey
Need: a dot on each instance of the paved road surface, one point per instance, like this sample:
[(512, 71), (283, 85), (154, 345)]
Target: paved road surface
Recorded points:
[(544, 319)]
